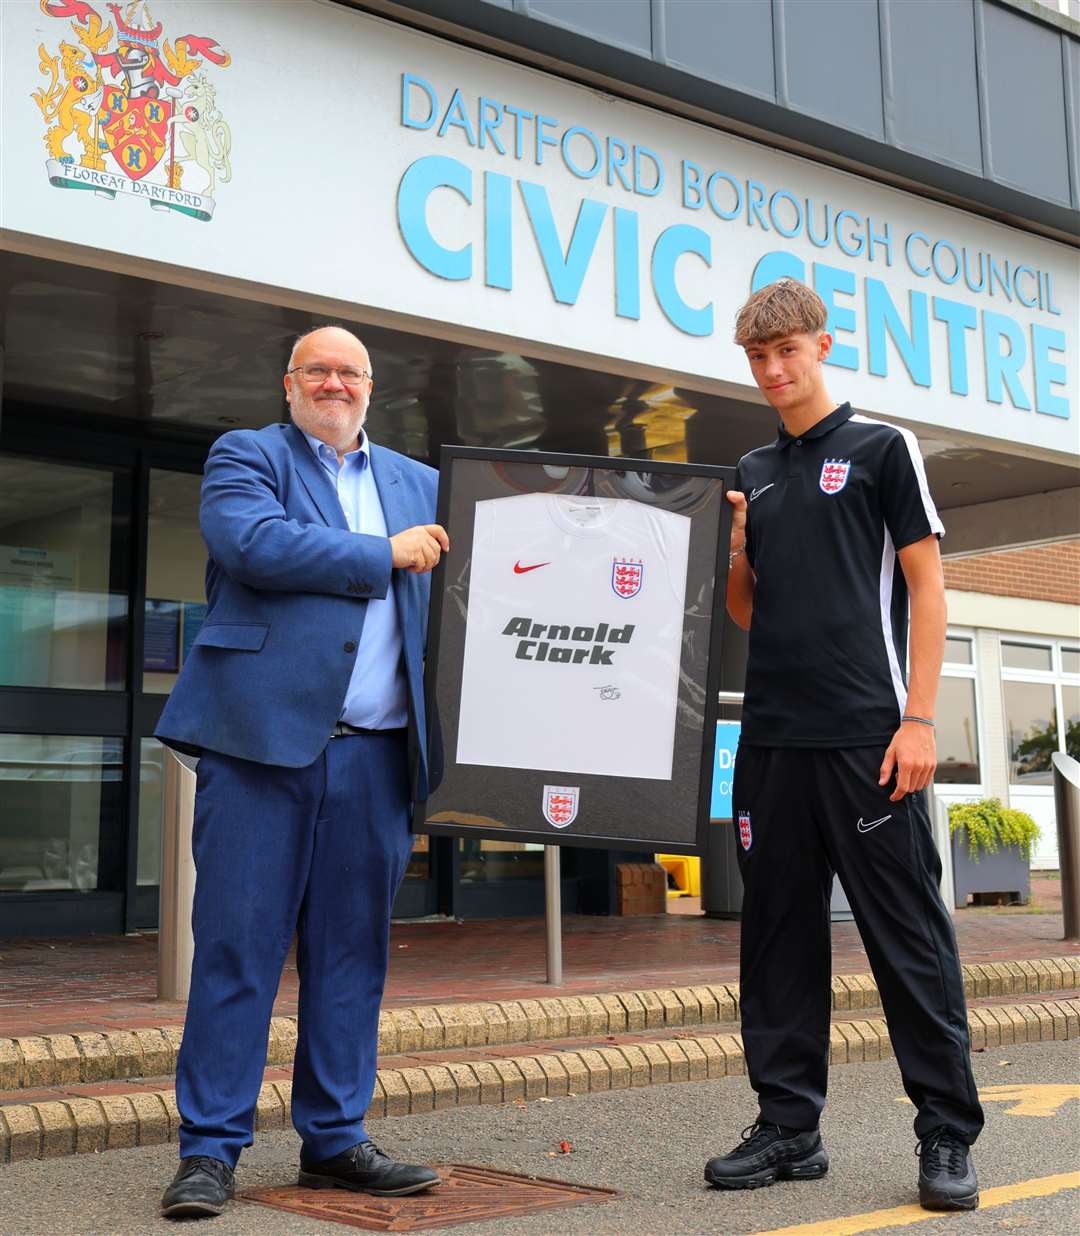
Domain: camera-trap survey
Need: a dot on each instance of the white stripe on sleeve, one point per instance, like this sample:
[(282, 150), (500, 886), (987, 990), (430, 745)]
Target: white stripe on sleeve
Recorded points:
[(885, 590)]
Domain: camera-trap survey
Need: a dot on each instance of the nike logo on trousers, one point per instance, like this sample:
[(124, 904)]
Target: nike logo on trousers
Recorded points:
[(865, 828)]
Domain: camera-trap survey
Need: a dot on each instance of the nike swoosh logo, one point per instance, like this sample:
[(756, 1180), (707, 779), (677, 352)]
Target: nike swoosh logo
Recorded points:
[(865, 828), (758, 492), (520, 570)]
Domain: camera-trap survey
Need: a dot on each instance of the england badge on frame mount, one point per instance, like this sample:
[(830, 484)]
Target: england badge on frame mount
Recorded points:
[(561, 805)]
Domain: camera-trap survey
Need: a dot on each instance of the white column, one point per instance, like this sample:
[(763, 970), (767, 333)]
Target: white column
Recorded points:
[(994, 755)]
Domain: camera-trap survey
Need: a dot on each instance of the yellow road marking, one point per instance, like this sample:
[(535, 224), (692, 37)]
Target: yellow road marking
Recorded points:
[(1035, 1100), (900, 1216), (1031, 1100)]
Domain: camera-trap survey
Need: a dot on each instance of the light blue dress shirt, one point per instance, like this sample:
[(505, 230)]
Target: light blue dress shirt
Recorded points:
[(377, 695)]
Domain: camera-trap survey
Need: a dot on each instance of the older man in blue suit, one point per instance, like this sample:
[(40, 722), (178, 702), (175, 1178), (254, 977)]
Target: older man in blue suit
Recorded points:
[(303, 694)]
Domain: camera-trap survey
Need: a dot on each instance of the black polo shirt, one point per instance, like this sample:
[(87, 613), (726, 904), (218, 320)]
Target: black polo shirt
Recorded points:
[(826, 514)]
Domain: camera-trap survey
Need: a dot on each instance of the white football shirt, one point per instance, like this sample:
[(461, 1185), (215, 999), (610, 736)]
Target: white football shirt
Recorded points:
[(573, 635)]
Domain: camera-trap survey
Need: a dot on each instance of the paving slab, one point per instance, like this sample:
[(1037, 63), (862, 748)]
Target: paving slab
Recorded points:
[(98, 984)]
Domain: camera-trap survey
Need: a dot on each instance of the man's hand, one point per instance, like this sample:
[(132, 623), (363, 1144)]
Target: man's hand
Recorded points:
[(913, 753), (419, 549), (740, 580), (738, 520)]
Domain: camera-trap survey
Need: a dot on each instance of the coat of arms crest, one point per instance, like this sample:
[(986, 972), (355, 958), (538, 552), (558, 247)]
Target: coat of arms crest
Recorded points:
[(834, 475), (746, 837), (626, 577), (127, 111), (560, 804)]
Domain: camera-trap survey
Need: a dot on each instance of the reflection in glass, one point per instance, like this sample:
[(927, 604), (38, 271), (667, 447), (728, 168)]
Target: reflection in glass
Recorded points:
[(1070, 660), (175, 575), (152, 757), (63, 600), (958, 651), (1031, 731), (1025, 656), (500, 860), (61, 811), (957, 735), (1070, 701)]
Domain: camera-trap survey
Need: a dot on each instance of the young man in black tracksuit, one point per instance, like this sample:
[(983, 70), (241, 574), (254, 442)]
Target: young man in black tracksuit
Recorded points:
[(834, 531)]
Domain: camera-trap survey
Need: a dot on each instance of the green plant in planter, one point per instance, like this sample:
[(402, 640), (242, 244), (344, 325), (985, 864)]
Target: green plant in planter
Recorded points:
[(990, 826)]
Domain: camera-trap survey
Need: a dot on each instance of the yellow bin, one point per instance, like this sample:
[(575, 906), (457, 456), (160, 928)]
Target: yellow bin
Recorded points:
[(685, 869)]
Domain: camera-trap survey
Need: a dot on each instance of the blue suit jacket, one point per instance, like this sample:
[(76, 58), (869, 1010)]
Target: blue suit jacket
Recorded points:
[(287, 585)]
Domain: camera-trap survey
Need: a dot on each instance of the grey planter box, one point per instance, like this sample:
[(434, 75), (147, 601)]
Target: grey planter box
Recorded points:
[(1004, 871)]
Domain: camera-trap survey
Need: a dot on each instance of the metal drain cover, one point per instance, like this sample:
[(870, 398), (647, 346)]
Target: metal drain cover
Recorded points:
[(465, 1194)]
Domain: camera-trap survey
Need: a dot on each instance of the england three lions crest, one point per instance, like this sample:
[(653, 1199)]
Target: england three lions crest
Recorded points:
[(626, 577), (746, 837), (126, 112), (560, 805), (834, 475)]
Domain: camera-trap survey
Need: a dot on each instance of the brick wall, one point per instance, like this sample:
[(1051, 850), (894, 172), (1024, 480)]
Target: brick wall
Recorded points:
[(1048, 573)]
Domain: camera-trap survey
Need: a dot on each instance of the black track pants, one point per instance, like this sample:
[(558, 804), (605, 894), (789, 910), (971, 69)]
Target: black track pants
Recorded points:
[(816, 812)]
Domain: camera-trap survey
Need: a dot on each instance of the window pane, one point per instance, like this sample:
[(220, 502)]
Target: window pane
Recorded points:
[(175, 573), (958, 651), (1070, 701), (1070, 660), (151, 810), (61, 812), (957, 734), (63, 597), (1024, 656), (1031, 731), (500, 860)]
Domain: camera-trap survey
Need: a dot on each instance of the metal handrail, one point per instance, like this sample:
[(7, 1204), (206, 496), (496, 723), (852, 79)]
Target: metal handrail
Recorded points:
[(1067, 810)]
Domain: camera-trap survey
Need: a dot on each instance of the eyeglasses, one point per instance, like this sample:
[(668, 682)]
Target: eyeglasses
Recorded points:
[(317, 374)]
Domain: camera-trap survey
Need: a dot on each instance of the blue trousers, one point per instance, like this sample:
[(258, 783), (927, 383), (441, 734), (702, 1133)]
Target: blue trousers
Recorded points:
[(320, 851)]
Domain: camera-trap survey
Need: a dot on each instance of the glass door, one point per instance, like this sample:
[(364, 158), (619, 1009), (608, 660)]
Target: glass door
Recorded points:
[(64, 548)]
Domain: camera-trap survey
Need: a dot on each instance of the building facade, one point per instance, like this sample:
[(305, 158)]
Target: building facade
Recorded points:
[(541, 216), (1010, 694)]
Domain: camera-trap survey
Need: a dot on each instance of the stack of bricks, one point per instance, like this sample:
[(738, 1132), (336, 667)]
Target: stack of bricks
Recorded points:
[(641, 888)]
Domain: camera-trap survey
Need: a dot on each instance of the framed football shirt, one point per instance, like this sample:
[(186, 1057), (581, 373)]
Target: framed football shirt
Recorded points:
[(573, 648)]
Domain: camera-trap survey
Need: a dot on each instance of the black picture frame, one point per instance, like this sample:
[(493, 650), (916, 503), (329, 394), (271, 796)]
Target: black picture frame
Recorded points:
[(471, 789)]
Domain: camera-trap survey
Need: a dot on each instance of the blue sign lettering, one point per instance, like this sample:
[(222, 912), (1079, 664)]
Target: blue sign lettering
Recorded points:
[(671, 244), (871, 325)]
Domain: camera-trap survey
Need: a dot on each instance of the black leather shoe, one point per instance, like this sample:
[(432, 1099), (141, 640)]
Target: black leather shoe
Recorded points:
[(766, 1154), (365, 1169), (947, 1179), (200, 1188)]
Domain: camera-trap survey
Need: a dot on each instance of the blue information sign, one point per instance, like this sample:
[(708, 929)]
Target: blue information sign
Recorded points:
[(161, 636), (727, 742)]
